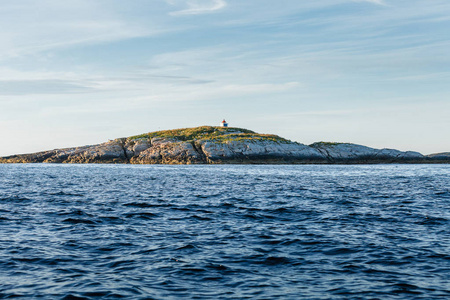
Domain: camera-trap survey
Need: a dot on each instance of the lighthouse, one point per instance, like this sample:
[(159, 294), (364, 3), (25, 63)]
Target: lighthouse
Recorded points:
[(224, 123)]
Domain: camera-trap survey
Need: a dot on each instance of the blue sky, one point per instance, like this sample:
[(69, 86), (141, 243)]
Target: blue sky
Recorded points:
[(373, 72)]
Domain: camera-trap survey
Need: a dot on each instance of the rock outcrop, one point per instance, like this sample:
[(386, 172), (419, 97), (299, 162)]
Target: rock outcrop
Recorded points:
[(216, 145), (109, 152), (255, 151), (166, 151), (443, 157), (351, 153)]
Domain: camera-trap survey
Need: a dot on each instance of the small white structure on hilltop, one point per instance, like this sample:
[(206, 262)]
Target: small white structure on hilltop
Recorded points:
[(224, 123)]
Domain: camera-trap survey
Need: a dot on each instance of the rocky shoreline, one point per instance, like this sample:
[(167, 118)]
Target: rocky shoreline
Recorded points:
[(216, 145)]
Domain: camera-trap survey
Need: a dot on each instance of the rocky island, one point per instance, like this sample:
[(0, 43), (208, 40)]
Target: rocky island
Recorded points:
[(222, 145)]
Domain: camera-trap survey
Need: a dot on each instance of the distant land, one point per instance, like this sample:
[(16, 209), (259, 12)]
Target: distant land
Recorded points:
[(222, 145)]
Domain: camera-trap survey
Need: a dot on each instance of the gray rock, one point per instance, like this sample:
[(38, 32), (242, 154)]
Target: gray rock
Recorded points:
[(168, 151), (351, 153), (259, 151)]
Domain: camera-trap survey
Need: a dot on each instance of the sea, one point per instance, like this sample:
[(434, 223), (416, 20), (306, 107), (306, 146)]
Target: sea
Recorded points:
[(94, 231)]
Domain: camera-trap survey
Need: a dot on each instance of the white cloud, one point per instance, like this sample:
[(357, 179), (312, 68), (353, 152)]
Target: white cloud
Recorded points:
[(197, 7), (379, 2)]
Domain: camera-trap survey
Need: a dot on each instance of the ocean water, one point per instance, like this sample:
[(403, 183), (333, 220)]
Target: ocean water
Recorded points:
[(224, 232)]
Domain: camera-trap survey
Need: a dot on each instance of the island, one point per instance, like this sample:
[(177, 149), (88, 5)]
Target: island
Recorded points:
[(222, 145)]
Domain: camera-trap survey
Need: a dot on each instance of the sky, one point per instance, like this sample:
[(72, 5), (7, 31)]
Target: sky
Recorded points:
[(81, 72)]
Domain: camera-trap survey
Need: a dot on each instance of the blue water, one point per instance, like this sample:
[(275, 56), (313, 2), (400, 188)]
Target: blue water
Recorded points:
[(219, 232)]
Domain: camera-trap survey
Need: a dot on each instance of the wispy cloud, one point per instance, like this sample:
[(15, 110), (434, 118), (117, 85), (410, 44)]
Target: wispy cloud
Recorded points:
[(33, 87), (33, 27), (197, 7), (379, 2)]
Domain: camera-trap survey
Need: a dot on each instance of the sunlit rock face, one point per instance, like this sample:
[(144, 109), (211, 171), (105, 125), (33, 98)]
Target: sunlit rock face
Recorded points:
[(261, 150), (216, 145), (109, 152), (348, 153)]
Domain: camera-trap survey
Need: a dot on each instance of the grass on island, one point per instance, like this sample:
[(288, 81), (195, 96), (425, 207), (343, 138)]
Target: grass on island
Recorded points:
[(212, 133)]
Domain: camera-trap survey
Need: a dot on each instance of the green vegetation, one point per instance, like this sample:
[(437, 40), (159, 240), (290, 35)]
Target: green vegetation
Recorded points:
[(217, 134), (249, 137)]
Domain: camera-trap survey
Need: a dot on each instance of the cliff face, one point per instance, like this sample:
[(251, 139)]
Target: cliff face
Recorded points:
[(214, 145), (164, 151)]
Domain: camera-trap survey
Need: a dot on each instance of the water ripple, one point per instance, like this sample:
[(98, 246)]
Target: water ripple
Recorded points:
[(224, 232)]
